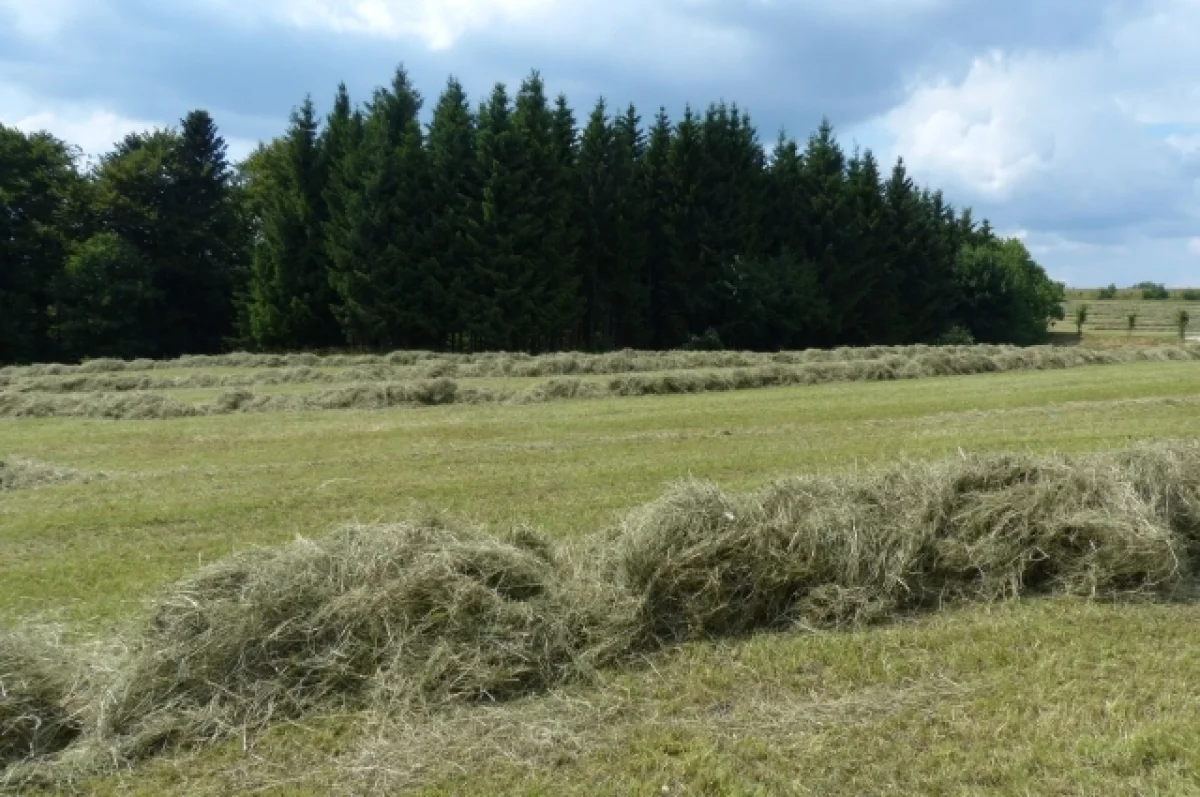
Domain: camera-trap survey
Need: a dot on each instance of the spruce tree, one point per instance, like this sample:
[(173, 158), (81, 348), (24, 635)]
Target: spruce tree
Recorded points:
[(655, 181), (630, 289), (379, 241), (685, 219), (544, 227), (874, 293), (455, 208), (597, 225), (829, 221), (204, 264), (502, 278), (291, 298)]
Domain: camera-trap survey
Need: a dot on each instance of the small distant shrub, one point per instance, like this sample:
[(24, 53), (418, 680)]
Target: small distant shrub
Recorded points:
[(1107, 293), (1182, 319), (956, 335), (1081, 317), (1190, 294), (1131, 321), (1153, 290), (709, 341)]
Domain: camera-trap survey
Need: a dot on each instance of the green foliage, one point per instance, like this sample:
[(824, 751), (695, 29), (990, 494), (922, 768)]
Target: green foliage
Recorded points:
[(1153, 290), (709, 341), (379, 257), (1190, 295), (1006, 295), (1107, 293), (1182, 319), (291, 297), (503, 229), (108, 300), (1131, 321), (39, 194), (1081, 317)]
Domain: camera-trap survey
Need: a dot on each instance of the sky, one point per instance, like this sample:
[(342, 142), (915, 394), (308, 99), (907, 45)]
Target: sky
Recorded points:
[(1072, 124)]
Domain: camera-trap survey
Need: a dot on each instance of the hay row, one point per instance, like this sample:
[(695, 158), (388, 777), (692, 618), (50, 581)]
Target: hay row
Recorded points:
[(19, 474), (435, 365), (148, 405), (434, 612)]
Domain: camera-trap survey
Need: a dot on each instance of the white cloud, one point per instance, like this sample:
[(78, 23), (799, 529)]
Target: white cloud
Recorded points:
[(93, 129), (36, 18), (1092, 150), (438, 23)]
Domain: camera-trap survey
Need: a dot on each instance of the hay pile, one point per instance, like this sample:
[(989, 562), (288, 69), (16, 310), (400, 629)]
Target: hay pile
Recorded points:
[(18, 474), (828, 551), (421, 612), (433, 611), (35, 696)]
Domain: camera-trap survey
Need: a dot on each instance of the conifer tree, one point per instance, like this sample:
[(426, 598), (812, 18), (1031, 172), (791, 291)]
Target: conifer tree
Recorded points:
[(543, 228), (378, 242), (291, 298), (203, 263), (685, 221), (658, 278), (630, 290), (597, 224), (501, 277), (830, 219), (455, 213)]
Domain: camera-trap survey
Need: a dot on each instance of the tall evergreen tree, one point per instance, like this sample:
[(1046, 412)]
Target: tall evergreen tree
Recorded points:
[(657, 272), (545, 214), (502, 280), (630, 301), (875, 296), (685, 219), (597, 223), (292, 299), (378, 240), (455, 208), (830, 219), (205, 264)]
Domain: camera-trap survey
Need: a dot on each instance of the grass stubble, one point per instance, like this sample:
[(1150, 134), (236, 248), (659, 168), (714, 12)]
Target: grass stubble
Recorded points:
[(438, 618)]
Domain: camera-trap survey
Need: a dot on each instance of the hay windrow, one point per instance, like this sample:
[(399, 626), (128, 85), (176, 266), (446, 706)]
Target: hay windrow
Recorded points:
[(434, 612), (36, 715), (18, 474), (740, 372)]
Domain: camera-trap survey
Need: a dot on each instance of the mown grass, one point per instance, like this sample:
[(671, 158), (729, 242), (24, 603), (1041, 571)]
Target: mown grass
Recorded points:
[(1046, 697)]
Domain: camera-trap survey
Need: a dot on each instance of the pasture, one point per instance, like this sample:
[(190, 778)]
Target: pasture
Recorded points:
[(1108, 319), (120, 480)]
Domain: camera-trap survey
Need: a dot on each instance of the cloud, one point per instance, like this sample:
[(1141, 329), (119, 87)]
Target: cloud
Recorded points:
[(1076, 121)]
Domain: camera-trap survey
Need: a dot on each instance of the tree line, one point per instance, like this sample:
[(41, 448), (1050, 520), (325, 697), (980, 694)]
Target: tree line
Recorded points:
[(506, 225)]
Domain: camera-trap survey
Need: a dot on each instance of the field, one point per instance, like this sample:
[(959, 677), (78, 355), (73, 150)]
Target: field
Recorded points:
[(1061, 695), (1108, 318)]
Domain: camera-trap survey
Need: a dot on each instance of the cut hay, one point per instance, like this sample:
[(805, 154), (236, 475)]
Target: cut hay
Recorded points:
[(18, 474), (422, 612), (435, 612), (825, 551), (35, 696)]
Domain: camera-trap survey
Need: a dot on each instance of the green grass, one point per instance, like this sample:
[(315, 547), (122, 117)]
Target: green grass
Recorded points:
[(1107, 318), (1056, 697)]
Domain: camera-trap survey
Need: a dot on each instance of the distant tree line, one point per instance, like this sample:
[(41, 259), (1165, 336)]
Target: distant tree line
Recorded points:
[(501, 226)]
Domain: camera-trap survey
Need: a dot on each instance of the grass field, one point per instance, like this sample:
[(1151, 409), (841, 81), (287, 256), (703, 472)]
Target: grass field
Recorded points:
[(1108, 319), (1053, 696)]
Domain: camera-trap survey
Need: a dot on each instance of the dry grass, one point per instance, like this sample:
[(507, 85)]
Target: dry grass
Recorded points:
[(434, 612), (36, 714), (18, 474), (83, 396)]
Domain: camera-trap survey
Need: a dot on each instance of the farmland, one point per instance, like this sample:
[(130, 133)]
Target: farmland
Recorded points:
[(1056, 694), (1108, 319)]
